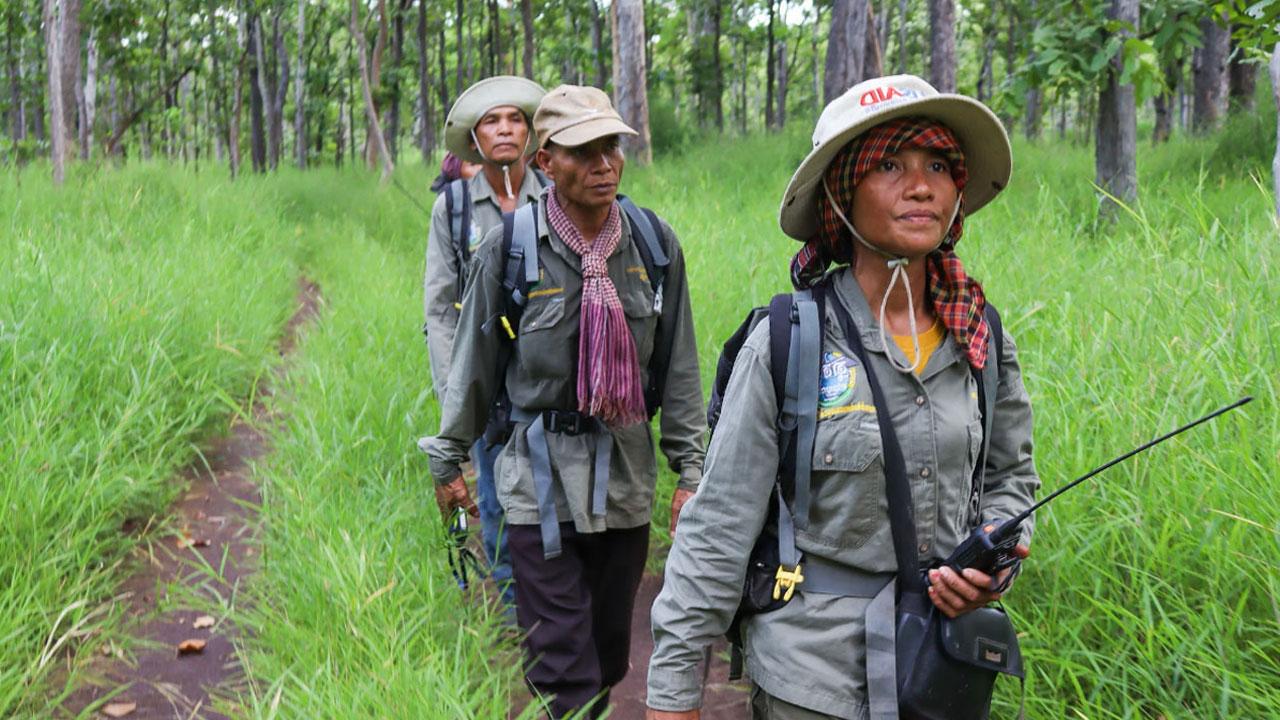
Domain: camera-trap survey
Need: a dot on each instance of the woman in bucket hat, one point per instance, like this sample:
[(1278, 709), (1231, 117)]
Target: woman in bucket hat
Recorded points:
[(490, 125), (895, 169), (577, 476)]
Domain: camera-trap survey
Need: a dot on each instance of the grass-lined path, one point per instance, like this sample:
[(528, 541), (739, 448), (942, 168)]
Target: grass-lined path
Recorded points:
[(188, 583)]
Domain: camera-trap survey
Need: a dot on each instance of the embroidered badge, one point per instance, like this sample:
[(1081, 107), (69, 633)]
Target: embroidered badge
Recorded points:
[(475, 236), (839, 376)]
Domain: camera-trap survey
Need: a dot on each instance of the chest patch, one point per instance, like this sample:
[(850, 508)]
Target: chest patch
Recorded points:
[(474, 237), (839, 377)]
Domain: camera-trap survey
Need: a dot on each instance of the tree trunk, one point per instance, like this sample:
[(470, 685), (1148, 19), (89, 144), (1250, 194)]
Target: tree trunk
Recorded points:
[(526, 17), (457, 29), (299, 91), (902, 36), (1242, 80), (393, 96), (1275, 93), (771, 62), (237, 102), (597, 43), (72, 91), (442, 80), (784, 77), (630, 81), (1031, 120), (53, 23), (1115, 156), (717, 88), (873, 57), (426, 127), (13, 66), (846, 48), (986, 72), (376, 140), (942, 33), (1165, 103), (257, 125), (266, 86), (89, 96), (1210, 76)]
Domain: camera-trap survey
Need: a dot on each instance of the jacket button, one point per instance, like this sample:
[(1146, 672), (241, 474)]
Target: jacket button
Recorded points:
[(924, 547), (828, 458), (920, 400), (924, 472)]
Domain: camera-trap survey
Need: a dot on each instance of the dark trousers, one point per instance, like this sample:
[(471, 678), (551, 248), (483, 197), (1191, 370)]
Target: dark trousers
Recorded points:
[(576, 611)]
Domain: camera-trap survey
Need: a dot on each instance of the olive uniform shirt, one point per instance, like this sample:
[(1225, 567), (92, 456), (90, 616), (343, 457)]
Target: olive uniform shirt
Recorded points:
[(811, 651), (542, 375), (446, 272)]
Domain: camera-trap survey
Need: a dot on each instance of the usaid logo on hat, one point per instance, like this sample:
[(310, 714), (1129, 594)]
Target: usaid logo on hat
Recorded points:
[(885, 93)]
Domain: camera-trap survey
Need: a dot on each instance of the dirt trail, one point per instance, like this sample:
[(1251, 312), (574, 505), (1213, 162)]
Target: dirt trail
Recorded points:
[(215, 548)]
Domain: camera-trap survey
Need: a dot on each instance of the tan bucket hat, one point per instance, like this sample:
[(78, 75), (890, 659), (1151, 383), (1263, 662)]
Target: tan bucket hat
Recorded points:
[(982, 137), (573, 115), (479, 99)]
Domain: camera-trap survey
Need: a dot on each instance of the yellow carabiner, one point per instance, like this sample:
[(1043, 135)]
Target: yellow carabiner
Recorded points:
[(506, 325), (786, 582)]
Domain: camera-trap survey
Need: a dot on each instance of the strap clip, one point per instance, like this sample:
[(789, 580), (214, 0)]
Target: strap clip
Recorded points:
[(506, 325), (565, 422), (786, 581)]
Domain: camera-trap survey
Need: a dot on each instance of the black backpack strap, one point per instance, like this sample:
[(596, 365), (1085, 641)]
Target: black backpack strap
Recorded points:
[(646, 231), (543, 180), (988, 385)]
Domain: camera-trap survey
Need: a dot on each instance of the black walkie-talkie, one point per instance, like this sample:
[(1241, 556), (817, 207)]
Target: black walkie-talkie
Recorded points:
[(991, 547)]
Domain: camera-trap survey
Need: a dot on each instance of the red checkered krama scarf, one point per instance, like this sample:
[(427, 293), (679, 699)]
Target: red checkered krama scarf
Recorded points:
[(608, 368), (957, 298)]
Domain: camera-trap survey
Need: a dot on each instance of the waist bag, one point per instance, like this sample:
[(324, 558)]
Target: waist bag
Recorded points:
[(946, 667)]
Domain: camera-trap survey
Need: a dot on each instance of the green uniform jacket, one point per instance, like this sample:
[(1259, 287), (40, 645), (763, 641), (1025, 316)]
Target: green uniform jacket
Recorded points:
[(541, 376), (440, 296), (811, 652)]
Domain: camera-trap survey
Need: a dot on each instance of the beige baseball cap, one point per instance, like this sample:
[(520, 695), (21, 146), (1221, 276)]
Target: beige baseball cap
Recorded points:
[(572, 115), (987, 154), (479, 99)]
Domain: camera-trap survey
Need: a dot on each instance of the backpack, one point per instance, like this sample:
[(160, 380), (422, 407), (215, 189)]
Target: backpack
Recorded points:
[(795, 348), (457, 202), (521, 272)]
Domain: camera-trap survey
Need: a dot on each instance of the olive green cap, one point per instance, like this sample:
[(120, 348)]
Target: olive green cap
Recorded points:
[(479, 99), (573, 115)]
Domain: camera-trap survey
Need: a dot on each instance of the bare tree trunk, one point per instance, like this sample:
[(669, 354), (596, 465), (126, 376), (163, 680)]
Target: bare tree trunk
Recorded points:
[(872, 58), (717, 75), (1275, 94), (375, 128), (902, 36), (771, 63), (1210, 75), (72, 91), (942, 32), (1031, 123), (526, 16), (846, 48), (1242, 80), (299, 91), (986, 73), (784, 78), (280, 76), (257, 125), (426, 128), (1165, 103), (375, 82), (392, 113), (630, 81), (237, 102), (597, 42), (53, 23), (457, 28), (1115, 157), (89, 95), (13, 66)]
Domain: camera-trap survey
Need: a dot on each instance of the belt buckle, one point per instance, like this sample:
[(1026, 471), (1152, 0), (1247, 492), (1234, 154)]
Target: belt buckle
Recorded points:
[(565, 423)]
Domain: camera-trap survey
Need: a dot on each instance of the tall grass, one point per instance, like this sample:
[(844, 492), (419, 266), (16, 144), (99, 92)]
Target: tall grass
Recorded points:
[(136, 308)]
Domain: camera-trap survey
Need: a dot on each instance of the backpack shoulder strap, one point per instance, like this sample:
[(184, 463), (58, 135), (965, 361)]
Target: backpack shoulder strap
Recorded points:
[(520, 261), (457, 200), (651, 242), (988, 385), (543, 180)]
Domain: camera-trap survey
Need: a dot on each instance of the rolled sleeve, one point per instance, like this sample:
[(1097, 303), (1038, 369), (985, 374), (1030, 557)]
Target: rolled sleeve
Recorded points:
[(683, 423), (1011, 480), (473, 381), (718, 527)]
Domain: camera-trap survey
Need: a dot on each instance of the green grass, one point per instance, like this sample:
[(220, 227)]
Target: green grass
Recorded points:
[(1152, 592), (136, 309)]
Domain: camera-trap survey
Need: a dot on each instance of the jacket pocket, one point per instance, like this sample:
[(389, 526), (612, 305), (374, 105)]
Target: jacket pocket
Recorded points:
[(637, 303), (848, 505)]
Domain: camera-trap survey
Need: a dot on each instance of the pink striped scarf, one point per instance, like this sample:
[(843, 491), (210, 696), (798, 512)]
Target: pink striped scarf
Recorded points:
[(608, 369)]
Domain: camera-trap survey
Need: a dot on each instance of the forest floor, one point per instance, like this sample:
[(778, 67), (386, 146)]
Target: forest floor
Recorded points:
[(180, 599)]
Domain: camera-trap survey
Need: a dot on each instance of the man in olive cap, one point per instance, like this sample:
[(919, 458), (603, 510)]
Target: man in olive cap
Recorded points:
[(489, 125), (604, 338)]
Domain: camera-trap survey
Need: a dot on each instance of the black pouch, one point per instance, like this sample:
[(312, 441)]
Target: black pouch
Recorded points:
[(947, 667), (497, 429)]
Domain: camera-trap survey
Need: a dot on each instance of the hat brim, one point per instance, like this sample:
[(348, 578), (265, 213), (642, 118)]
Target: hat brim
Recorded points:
[(482, 97), (987, 155), (585, 132)]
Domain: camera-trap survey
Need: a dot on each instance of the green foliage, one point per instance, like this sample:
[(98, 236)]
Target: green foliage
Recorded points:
[(138, 308), (666, 131)]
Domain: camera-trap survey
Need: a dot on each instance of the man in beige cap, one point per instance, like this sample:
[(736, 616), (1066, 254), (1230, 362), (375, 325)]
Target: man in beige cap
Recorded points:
[(585, 297), (489, 125)]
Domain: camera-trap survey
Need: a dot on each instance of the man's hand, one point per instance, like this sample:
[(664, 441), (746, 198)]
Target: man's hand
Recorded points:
[(677, 501), (455, 495), (652, 714), (957, 593)]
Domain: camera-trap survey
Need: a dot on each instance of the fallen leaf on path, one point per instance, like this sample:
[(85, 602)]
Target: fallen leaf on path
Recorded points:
[(119, 709), (204, 621), (192, 646)]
